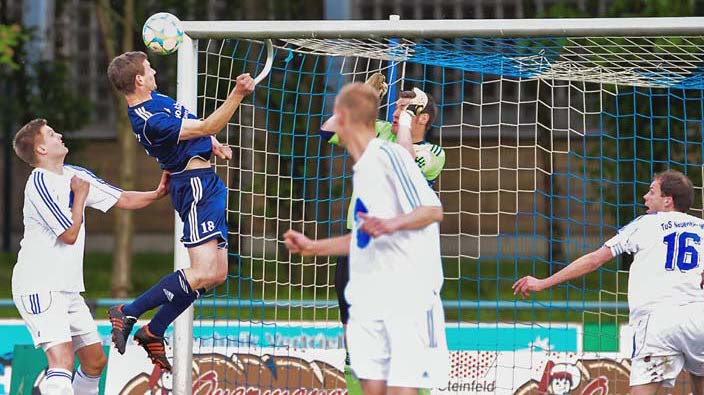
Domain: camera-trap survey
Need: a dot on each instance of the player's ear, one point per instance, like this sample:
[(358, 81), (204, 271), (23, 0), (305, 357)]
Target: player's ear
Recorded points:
[(39, 149)]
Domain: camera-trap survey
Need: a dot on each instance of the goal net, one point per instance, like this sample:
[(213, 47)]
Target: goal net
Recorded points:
[(550, 144)]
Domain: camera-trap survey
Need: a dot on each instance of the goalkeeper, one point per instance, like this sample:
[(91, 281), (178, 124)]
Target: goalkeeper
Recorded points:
[(413, 118)]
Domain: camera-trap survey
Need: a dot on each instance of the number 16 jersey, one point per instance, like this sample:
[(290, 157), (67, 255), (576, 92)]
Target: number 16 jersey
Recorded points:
[(666, 270)]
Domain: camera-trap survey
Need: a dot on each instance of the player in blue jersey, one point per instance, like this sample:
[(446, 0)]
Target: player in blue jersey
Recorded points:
[(182, 145), (665, 297)]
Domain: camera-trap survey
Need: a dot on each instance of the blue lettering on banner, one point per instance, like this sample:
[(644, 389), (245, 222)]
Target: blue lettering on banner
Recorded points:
[(307, 335)]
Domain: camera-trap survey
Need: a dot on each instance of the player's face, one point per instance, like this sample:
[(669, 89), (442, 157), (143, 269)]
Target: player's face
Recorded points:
[(52, 143), (654, 200), (342, 121), (401, 105), (149, 79)]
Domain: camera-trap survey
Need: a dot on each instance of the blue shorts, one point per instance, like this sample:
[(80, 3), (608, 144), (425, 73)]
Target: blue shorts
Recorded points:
[(199, 197)]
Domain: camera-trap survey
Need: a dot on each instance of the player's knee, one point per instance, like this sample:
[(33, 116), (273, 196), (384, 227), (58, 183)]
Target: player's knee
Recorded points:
[(95, 366), (216, 278)]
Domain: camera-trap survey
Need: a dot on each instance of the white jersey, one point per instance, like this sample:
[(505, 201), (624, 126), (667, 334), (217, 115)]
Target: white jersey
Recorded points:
[(402, 270), (666, 269), (44, 263)]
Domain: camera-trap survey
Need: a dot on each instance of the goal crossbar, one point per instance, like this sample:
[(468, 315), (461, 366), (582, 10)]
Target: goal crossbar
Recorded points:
[(571, 27)]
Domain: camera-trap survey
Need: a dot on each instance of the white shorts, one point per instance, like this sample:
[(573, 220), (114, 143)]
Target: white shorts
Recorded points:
[(407, 350), (54, 317), (666, 342)]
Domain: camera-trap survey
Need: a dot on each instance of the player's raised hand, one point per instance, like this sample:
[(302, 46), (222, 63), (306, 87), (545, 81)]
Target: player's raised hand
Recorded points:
[(298, 243), (244, 85), (164, 185), (528, 284), (221, 151), (375, 226), (378, 82), (79, 186)]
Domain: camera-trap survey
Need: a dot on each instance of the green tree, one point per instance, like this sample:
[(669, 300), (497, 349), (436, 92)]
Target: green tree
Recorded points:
[(10, 38), (119, 23)]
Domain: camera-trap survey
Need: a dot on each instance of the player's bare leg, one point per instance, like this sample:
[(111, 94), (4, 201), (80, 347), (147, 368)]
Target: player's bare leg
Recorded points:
[(86, 379), (697, 384), (208, 265), (60, 356), (645, 389), (402, 391), (60, 371), (373, 387), (92, 358)]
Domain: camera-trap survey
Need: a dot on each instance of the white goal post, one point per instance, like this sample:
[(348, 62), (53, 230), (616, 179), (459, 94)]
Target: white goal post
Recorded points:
[(594, 59)]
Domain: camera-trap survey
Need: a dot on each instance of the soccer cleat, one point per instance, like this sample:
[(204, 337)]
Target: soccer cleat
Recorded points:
[(154, 346), (121, 327)]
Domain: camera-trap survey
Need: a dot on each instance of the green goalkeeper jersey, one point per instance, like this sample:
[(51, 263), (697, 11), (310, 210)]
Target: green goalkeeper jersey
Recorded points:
[(430, 158)]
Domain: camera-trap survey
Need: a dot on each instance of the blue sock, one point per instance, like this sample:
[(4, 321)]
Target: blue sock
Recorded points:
[(168, 312), (171, 287)]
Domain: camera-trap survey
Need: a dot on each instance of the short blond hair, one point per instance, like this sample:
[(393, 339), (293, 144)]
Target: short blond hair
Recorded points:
[(26, 139), (362, 102)]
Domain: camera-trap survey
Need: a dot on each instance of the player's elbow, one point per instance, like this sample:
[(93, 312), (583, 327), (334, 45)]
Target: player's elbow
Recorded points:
[(123, 202), (68, 237)]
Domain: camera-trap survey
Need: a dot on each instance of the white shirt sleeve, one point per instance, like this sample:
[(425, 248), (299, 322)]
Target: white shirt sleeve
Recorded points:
[(411, 187), (629, 239), (56, 217), (101, 195)]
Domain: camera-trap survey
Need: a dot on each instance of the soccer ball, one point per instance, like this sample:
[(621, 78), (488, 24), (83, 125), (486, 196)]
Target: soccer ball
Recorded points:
[(162, 33)]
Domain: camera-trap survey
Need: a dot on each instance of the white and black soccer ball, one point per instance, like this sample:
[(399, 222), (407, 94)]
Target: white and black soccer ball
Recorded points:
[(162, 33)]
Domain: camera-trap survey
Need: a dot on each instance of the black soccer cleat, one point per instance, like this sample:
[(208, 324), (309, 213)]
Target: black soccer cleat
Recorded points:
[(154, 346), (121, 327)]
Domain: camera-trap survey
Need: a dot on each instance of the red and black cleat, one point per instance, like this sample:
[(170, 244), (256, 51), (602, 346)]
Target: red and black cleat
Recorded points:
[(154, 346), (121, 327)]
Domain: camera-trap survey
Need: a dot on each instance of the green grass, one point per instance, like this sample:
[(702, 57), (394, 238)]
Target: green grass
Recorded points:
[(147, 269), (468, 280)]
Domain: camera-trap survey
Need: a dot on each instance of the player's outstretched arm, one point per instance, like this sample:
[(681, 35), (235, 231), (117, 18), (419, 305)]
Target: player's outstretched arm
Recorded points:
[(403, 136), (192, 128), (132, 200), (583, 265), (298, 243), (80, 190), (419, 218)]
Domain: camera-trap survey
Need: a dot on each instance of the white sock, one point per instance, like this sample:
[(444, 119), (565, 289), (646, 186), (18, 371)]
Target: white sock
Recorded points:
[(85, 384), (58, 382)]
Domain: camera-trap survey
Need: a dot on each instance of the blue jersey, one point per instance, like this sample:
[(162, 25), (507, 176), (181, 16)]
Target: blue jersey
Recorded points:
[(156, 124)]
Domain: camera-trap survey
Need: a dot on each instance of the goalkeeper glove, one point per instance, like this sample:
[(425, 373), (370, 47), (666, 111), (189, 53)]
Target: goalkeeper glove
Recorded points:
[(377, 81), (417, 104)]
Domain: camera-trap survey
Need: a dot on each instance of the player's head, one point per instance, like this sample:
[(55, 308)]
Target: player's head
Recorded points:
[(669, 191), (36, 142), (131, 72), (356, 107), (421, 124)]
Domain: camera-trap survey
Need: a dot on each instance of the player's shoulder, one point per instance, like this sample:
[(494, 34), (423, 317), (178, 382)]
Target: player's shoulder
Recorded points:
[(33, 179), (42, 182), (642, 220), (75, 169), (428, 148), (392, 154)]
